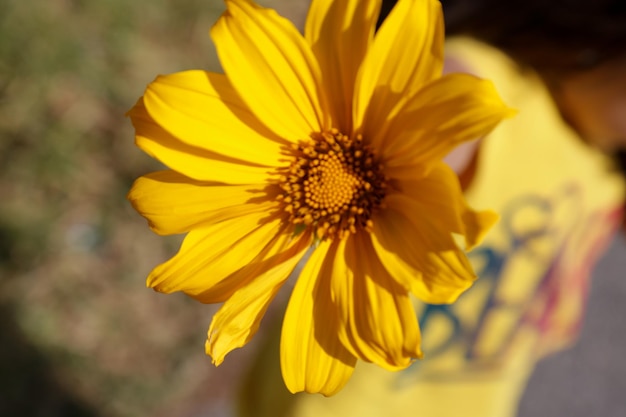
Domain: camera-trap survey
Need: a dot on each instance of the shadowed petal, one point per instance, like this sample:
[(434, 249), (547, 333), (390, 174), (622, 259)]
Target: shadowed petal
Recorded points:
[(414, 239), (428, 264), (272, 68), (340, 32), (311, 356), (440, 196), (377, 320)]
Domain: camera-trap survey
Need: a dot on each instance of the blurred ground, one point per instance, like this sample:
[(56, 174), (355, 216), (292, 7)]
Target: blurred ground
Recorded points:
[(590, 378), (79, 333)]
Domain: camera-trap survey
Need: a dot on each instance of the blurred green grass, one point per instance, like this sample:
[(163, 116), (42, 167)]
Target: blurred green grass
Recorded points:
[(81, 334)]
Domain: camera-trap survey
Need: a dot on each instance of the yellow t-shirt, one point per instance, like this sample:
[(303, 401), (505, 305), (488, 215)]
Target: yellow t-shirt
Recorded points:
[(558, 204)]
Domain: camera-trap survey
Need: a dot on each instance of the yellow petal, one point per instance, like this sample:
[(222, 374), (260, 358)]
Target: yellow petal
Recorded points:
[(477, 225), (451, 110), (439, 195), (436, 275), (275, 252), (238, 319), (199, 164), (210, 255), (271, 67), (406, 54), (413, 240), (340, 33), (202, 110), (377, 320), (311, 356), (173, 203)]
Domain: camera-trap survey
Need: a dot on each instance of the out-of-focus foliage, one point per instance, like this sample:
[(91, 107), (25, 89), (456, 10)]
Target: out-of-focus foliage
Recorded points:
[(80, 333)]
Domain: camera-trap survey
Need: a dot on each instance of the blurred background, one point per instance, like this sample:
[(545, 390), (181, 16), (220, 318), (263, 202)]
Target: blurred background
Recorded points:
[(80, 335)]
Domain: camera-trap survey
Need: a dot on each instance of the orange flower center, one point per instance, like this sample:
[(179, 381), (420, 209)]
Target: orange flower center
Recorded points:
[(334, 184)]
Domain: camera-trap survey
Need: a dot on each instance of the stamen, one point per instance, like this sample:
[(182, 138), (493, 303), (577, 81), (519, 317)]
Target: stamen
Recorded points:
[(334, 185)]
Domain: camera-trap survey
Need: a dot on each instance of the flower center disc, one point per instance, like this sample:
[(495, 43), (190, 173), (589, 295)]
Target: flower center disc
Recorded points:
[(334, 184)]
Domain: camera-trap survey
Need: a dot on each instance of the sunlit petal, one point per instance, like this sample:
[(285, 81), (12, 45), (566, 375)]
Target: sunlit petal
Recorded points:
[(425, 130), (173, 203), (238, 319), (272, 68), (202, 110), (210, 254), (406, 54), (312, 358), (196, 163)]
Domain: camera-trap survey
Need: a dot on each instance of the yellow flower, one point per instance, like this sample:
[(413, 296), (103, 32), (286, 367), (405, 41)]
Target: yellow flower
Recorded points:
[(329, 142)]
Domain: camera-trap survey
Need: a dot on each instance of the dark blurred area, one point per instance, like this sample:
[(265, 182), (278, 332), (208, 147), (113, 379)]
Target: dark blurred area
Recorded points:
[(28, 380)]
